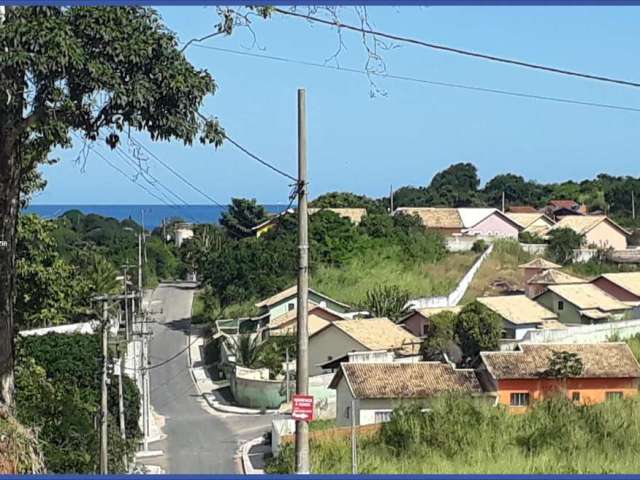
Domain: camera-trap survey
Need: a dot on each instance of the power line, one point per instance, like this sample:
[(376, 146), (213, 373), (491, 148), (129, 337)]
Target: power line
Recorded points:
[(458, 51), (177, 174), (251, 155), (424, 81)]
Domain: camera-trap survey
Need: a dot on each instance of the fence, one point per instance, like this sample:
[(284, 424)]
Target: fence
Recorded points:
[(584, 333), (534, 248), (253, 389), (456, 295)]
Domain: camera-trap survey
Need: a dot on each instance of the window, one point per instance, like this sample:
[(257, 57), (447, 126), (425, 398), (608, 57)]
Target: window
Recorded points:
[(347, 412), (291, 306), (614, 395), (425, 330), (519, 399), (382, 416), (560, 305), (575, 397)]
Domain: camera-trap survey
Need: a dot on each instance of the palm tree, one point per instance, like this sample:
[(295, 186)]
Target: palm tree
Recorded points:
[(246, 348), (102, 276)]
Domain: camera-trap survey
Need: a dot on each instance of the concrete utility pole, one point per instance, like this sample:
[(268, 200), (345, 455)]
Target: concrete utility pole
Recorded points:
[(391, 198), (126, 301), (502, 202), (140, 263), (633, 204), (287, 374), (123, 431), (354, 446), (302, 364), (103, 400)]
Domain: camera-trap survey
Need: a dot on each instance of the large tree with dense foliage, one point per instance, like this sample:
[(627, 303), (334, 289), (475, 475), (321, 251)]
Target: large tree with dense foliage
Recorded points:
[(348, 200), (562, 243), (242, 216), (455, 186), (95, 71)]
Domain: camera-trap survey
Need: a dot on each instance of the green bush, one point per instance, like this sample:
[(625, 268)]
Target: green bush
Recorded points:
[(479, 246)]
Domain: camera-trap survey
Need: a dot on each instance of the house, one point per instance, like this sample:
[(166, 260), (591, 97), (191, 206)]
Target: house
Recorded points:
[(582, 303), (519, 378), (535, 223), (537, 284), (368, 392), (444, 220), (338, 338), (368, 356), (599, 231), (353, 214), (318, 317), (417, 321), (287, 300), (182, 232), (536, 266), (484, 222), (520, 314), (562, 208), (624, 286)]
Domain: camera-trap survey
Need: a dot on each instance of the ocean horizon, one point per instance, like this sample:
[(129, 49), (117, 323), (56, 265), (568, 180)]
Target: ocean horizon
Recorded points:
[(153, 214)]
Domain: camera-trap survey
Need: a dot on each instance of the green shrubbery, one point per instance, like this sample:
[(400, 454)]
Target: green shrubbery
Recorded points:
[(464, 435), (58, 394)]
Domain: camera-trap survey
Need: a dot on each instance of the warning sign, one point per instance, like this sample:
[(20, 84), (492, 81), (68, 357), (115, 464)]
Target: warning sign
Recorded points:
[(302, 407)]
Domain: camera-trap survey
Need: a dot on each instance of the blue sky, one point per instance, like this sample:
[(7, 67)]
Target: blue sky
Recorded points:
[(365, 144)]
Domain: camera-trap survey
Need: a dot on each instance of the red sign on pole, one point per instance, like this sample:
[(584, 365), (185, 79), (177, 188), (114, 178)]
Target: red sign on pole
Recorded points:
[(302, 408)]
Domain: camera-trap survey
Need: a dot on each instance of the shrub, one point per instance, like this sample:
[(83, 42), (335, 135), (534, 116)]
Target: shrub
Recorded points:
[(386, 301), (562, 243), (479, 246)]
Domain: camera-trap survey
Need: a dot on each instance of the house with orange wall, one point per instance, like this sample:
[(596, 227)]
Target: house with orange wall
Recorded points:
[(519, 378)]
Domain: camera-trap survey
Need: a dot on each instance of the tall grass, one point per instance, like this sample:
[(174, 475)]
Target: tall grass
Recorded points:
[(462, 435), (388, 266)]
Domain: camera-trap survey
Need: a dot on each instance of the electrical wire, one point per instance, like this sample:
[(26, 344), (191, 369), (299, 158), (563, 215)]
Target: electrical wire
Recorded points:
[(458, 51), (423, 81), (176, 173), (263, 162)]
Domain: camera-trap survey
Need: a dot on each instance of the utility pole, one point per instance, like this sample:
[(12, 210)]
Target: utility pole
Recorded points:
[(103, 400), (302, 364), (354, 446), (286, 352), (391, 198), (126, 301), (502, 202), (140, 264), (123, 431), (633, 204)]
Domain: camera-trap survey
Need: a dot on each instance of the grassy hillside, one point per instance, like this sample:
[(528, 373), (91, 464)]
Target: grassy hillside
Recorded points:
[(351, 282), (19, 450), (500, 268)]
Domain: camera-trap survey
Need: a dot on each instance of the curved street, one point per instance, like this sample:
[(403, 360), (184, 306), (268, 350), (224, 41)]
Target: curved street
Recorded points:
[(198, 439)]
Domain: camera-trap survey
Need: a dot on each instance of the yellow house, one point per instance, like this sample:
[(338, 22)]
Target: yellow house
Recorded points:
[(599, 230), (535, 223)]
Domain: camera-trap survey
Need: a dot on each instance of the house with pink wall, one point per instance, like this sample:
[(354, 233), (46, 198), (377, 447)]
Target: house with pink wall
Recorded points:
[(488, 222)]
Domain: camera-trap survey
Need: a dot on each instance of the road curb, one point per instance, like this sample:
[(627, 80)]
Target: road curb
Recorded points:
[(246, 461)]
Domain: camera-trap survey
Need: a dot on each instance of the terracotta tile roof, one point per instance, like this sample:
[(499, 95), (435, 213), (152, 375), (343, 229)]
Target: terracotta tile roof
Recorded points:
[(539, 263), (518, 309), (586, 296), (582, 224), (522, 209), (292, 315), (353, 214), (554, 277), (315, 323), (291, 292), (430, 312), (379, 334), (630, 281), (570, 204), (600, 360), (435, 217), (526, 219), (406, 380)]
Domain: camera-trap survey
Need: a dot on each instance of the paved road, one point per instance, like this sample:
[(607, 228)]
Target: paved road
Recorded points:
[(198, 440)]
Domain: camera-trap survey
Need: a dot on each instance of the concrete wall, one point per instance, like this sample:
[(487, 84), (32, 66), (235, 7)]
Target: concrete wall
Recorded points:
[(585, 333), (456, 295), (605, 235), (279, 428), (534, 248), (330, 342), (250, 388), (495, 226)]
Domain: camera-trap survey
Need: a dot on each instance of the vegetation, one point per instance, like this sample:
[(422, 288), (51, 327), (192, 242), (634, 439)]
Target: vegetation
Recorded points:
[(58, 394), (562, 243), (462, 435), (241, 217), (386, 301), (349, 200), (19, 449)]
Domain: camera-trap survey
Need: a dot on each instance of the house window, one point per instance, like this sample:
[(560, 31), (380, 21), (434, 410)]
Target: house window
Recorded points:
[(519, 399), (347, 413), (291, 306), (425, 329), (614, 395), (560, 305), (575, 397), (382, 416)]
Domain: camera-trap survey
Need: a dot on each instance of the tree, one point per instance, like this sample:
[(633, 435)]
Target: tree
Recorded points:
[(386, 301), (517, 191), (101, 275), (333, 238), (563, 365), (439, 335), (348, 200), (242, 216), (562, 243), (477, 329), (49, 290), (456, 186), (246, 348), (92, 71)]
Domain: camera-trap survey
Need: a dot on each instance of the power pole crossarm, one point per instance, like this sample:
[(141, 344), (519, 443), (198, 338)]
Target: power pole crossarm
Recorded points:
[(302, 364)]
